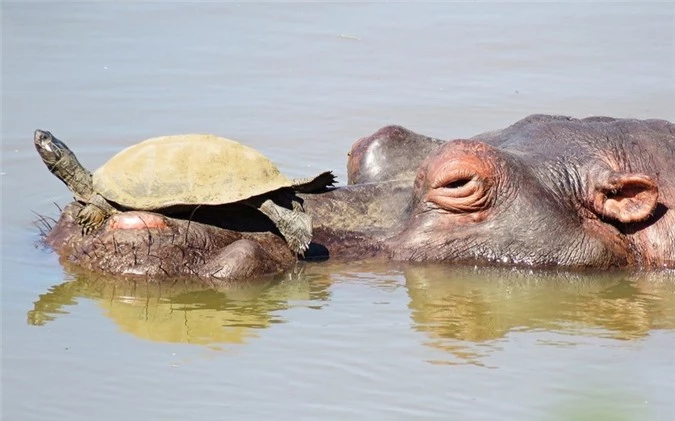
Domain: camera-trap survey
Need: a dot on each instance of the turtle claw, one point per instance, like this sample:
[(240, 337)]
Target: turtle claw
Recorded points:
[(88, 229), (90, 218)]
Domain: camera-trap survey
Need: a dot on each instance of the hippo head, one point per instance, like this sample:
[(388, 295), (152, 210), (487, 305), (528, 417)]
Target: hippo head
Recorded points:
[(475, 202)]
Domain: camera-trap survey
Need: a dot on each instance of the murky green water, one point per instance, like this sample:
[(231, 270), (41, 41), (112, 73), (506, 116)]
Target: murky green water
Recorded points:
[(301, 82)]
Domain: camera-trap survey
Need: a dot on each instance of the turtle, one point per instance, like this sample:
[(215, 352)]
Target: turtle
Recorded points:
[(166, 173)]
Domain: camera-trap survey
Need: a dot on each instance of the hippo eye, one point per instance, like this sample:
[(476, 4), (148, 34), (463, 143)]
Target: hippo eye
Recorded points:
[(461, 182), (463, 192)]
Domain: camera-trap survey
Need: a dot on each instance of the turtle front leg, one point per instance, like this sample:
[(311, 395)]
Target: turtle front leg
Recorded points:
[(295, 226), (94, 213), (90, 217)]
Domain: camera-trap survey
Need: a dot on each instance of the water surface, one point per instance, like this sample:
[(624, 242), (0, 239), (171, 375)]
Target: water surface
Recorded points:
[(301, 82)]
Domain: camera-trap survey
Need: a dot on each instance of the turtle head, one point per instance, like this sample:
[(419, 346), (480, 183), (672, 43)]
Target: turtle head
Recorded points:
[(61, 161), (51, 149)]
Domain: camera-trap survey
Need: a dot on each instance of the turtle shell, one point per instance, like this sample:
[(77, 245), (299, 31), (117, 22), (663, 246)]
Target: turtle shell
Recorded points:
[(190, 169)]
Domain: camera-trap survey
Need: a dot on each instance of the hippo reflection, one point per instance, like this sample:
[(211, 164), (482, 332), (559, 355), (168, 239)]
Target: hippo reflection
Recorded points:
[(462, 307), (464, 312), (548, 191)]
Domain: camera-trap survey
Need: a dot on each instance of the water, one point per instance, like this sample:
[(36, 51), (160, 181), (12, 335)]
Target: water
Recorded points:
[(300, 82)]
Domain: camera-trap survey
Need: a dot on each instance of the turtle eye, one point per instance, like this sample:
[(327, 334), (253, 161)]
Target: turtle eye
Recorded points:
[(42, 136)]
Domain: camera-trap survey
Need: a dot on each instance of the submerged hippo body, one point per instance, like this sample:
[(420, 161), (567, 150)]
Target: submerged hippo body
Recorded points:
[(546, 191), (152, 245)]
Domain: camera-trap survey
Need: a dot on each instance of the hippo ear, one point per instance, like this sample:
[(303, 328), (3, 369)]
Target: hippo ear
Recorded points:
[(625, 197)]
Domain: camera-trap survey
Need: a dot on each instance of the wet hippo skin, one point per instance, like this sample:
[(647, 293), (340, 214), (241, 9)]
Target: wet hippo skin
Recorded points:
[(548, 191)]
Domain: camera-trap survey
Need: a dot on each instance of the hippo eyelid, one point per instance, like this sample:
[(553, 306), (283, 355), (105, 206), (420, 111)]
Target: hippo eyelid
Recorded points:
[(458, 183), (454, 179), (463, 195)]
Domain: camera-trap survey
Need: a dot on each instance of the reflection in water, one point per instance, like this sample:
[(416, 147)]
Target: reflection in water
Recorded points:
[(183, 312), (465, 311)]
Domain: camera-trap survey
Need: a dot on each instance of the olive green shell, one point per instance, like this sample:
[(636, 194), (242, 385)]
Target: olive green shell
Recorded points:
[(188, 169)]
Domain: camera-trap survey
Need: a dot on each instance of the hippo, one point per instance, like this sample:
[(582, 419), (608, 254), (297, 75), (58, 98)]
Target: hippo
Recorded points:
[(547, 191)]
